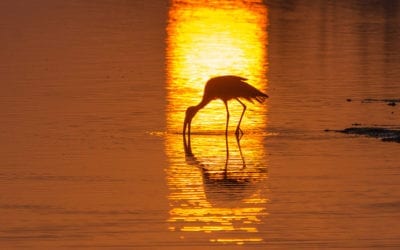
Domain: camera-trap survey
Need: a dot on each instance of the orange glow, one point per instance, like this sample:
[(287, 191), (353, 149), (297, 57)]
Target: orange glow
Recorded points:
[(206, 40)]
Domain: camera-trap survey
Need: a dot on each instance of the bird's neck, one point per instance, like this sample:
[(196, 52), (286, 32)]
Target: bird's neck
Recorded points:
[(203, 103)]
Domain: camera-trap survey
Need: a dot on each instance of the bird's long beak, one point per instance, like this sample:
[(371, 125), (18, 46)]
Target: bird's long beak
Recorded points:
[(186, 125), (187, 145)]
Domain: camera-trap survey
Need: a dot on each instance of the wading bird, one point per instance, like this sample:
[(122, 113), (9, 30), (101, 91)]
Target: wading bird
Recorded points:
[(225, 88)]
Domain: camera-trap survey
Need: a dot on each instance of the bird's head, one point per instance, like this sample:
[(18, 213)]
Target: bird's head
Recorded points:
[(190, 113)]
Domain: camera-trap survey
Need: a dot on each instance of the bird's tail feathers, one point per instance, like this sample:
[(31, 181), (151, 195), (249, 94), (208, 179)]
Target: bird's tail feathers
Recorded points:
[(258, 98), (261, 99)]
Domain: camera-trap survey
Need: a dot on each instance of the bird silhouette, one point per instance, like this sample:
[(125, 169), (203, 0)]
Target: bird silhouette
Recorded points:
[(225, 88)]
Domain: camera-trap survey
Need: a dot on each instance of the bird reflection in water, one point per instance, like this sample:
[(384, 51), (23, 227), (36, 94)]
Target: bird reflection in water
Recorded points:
[(229, 201), (192, 160), (220, 179)]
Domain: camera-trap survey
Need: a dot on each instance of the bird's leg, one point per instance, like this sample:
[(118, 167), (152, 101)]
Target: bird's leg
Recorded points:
[(187, 146), (189, 141), (227, 119), (226, 133), (239, 132)]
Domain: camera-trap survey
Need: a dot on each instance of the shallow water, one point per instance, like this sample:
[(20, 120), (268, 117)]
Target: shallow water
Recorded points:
[(92, 103)]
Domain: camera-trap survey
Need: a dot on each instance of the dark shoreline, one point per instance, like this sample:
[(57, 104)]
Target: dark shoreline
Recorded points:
[(385, 134)]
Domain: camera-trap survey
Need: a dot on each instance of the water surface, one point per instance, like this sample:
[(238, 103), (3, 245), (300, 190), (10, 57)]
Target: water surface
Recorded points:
[(92, 104)]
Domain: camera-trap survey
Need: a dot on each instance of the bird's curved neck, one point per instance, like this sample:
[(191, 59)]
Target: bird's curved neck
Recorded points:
[(203, 103)]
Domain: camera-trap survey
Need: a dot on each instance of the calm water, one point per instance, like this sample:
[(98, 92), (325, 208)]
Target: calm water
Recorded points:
[(92, 102)]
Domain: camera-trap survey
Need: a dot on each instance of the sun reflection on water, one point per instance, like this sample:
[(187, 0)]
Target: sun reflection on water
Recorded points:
[(206, 40), (213, 195)]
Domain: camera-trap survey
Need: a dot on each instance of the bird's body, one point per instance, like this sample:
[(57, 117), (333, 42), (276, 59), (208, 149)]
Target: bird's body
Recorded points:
[(225, 88), (231, 87)]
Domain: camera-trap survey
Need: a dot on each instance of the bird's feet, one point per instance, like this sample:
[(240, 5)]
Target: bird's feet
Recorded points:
[(239, 133)]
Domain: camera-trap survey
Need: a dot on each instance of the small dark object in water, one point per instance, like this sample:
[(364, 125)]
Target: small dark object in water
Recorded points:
[(392, 139), (348, 100), (390, 102), (385, 134)]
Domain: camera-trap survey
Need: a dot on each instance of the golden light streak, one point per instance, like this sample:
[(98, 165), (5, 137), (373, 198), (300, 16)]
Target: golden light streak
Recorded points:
[(206, 40)]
